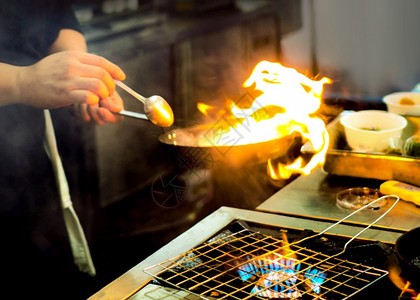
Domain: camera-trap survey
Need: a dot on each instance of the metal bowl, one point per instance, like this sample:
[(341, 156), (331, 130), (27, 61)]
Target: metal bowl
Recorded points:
[(186, 146)]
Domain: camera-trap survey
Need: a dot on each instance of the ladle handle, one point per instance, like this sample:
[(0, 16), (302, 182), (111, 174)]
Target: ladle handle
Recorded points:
[(132, 114), (130, 91)]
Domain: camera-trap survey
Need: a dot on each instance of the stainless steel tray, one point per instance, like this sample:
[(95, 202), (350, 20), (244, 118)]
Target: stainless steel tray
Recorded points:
[(341, 160)]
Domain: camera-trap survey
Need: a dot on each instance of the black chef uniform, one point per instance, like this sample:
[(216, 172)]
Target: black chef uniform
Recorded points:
[(35, 256)]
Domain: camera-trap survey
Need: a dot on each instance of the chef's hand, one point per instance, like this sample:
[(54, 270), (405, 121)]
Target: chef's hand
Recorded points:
[(69, 77), (102, 112)]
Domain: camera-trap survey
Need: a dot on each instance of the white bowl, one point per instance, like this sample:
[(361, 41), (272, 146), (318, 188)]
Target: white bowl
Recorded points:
[(403, 103), (365, 129)]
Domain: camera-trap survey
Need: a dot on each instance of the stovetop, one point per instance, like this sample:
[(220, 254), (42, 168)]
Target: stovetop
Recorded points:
[(246, 260), (134, 283), (308, 203)]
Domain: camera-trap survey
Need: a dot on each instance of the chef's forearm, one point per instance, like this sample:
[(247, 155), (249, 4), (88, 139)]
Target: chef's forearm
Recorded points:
[(10, 87), (69, 39), (68, 76)]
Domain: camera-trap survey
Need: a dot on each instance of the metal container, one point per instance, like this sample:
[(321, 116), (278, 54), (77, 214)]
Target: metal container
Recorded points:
[(340, 160), (184, 144)]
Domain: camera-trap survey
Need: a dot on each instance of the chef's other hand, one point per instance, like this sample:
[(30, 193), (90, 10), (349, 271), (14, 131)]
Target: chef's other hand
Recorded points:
[(101, 112), (68, 77)]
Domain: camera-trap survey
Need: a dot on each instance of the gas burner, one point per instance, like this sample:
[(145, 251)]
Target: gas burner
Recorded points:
[(279, 276), (239, 263)]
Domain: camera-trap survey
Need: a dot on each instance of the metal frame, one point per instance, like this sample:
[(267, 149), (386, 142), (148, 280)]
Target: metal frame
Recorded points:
[(252, 265), (133, 280)]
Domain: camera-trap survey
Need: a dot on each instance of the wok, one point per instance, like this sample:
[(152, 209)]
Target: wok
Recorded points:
[(408, 253), (196, 146)]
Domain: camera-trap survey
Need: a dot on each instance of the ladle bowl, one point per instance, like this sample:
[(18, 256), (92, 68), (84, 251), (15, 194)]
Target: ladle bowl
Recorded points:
[(157, 109)]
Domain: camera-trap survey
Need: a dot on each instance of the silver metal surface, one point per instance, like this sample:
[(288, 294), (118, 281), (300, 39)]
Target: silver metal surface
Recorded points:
[(153, 291), (129, 90), (156, 108), (314, 196), (132, 281), (132, 114), (377, 166)]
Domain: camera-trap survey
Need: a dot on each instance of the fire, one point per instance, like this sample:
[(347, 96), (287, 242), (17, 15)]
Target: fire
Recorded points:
[(280, 273), (287, 251), (279, 276), (402, 284), (204, 108), (285, 106)]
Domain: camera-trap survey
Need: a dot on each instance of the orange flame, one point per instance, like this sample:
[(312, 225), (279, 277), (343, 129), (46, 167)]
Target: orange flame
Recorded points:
[(204, 108), (402, 284), (300, 97), (286, 103), (287, 251)]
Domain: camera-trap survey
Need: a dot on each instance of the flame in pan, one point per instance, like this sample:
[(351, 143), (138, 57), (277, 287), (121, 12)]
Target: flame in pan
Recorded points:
[(403, 284), (283, 103)]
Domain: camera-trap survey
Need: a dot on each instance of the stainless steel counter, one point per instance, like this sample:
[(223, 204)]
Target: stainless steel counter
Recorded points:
[(314, 196)]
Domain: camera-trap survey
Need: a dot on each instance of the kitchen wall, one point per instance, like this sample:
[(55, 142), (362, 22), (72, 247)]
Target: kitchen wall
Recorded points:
[(367, 47)]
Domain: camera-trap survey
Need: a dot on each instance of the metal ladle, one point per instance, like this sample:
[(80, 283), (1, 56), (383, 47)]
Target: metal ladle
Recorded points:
[(156, 108)]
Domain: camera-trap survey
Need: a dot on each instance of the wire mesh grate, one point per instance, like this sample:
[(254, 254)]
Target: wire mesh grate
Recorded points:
[(253, 265)]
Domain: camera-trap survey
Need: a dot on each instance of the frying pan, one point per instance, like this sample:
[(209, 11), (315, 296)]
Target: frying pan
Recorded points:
[(187, 143), (408, 252)]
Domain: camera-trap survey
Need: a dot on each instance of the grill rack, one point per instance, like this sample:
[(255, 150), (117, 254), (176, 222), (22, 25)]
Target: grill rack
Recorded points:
[(253, 265)]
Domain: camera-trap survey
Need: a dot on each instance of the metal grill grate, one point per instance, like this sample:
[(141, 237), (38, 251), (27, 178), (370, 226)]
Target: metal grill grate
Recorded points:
[(252, 265)]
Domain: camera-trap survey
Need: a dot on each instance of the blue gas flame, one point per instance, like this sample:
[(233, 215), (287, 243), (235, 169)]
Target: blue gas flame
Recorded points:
[(316, 278), (278, 277), (264, 266)]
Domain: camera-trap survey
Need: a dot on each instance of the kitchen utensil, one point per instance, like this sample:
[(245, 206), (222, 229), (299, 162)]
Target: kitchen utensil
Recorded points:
[(205, 145), (156, 108), (132, 114), (370, 204), (403, 190), (365, 129), (343, 162), (408, 254), (403, 103)]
